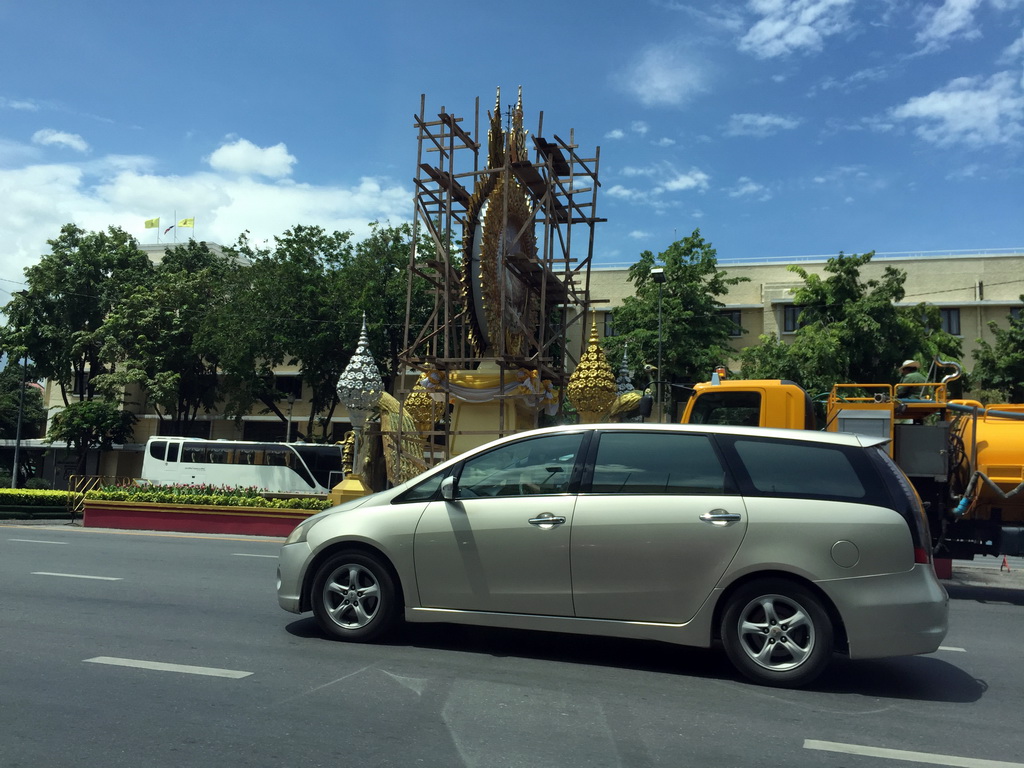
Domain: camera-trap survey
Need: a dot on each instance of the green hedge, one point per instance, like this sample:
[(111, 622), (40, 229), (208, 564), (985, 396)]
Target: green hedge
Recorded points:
[(186, 495), (21, 497)]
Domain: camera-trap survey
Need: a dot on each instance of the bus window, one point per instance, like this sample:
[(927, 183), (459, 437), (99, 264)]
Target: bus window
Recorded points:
[(158, 449), (218, 456), (195, 453), (277, 458), (172, 451)]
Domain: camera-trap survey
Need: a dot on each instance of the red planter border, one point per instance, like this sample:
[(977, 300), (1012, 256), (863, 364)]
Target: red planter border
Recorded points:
[(192, 518)]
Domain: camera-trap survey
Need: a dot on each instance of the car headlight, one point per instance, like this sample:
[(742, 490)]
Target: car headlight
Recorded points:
[(299, 532)]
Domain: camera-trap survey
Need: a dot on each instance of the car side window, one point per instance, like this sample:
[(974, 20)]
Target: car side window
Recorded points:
[(800, 470), (539, 465), (651, 462)]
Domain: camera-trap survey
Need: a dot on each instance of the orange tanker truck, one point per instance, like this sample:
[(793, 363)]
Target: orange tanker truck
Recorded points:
[(965, 459)]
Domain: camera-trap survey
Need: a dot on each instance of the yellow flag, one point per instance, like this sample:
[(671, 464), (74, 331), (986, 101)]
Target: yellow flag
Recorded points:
[(187, 223), (152, 223)]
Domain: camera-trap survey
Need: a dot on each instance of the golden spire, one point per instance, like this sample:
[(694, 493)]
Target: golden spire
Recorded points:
[(591, 388)]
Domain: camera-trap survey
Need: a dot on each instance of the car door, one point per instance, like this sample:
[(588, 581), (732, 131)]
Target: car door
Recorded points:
[(503, 543), (655, 526)]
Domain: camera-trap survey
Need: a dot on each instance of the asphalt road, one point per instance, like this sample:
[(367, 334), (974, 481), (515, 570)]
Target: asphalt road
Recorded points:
[(135, 649)]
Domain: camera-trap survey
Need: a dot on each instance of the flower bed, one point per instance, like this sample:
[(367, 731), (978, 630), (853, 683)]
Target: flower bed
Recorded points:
[(196, 509)]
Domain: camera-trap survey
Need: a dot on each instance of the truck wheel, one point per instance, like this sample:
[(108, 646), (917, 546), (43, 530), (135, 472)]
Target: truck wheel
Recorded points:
[(777, 633), (354, 597)]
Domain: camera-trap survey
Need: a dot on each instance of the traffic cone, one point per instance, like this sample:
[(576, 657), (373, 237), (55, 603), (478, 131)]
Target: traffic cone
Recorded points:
[(1005, 565)]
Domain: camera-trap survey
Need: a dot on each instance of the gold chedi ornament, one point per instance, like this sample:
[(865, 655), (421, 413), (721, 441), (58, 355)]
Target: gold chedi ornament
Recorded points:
[(591, 388), (423, 408)]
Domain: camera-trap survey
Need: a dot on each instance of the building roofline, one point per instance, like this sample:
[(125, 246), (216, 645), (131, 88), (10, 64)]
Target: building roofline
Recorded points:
[(983, 253)]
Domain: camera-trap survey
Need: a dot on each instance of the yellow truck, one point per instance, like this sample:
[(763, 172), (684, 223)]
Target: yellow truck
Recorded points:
[(965, 459)]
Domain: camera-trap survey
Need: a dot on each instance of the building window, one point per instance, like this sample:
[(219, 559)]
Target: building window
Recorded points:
[(609, 324), (289, 385), (734, 316), (169, 428), (950, 318), (1015, 314), (791, 318)]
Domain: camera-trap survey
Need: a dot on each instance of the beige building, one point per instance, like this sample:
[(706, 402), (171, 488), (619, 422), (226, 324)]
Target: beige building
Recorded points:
[(969, 288)]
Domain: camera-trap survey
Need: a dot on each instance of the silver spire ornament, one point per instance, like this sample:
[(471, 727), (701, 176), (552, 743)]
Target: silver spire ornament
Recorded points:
[(359, 389)]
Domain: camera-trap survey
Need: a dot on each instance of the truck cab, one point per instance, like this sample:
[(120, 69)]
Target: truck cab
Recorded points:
[(750, 402)]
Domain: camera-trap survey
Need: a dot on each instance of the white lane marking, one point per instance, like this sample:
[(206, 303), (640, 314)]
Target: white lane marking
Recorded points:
[(38, 541), (910, 757), (160, 666), (77, 576), (952, 648), (246, 554)]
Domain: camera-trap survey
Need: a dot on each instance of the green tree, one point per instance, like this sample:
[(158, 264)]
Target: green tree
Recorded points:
[(58, 322), (283, 304), (851, 329), (71, 291), (89, 424), (16, 378), (1000, 366), (694, 333), (153, 336)]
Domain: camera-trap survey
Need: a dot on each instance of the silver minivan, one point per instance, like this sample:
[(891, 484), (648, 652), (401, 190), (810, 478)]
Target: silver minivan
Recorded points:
[(784, 547)]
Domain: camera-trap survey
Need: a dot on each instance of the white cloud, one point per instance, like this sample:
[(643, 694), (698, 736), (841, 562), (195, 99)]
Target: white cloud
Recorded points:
[(759, 125), (681, 182), (18, 104), (665, 141), (617, 133), (639, 126), (49, 137), (246, 159), (746, 187), (623, 193), (718, 15), (124, 191), (954, 18), (639, 234), (855, 82), (788, 26), (662, 75), (970, 111)]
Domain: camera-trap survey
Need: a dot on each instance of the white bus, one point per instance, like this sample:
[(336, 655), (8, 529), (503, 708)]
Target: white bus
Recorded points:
[(304, 468)]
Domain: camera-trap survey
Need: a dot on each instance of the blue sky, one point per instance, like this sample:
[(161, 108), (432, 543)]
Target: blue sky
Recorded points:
[(778, 127)]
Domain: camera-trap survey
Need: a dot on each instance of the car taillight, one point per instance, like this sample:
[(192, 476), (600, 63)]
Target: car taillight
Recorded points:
[(922, 556)]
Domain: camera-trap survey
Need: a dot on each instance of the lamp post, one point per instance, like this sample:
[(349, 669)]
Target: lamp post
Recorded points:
[(17, 432), (658, 276), (291, 404)]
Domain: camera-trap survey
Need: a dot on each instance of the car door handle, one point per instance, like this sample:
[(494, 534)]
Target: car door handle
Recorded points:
[(720, 517), (546, 520)]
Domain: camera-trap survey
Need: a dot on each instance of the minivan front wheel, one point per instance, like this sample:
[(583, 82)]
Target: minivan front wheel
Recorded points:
[(777, 633), (354, 597)]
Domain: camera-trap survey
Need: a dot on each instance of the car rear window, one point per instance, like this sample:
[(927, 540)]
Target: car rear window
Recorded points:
[(663, 463), (806, 470)]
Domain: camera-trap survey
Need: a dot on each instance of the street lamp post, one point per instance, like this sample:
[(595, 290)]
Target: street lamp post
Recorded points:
[(17, 431), (658, 276), (288, 433)]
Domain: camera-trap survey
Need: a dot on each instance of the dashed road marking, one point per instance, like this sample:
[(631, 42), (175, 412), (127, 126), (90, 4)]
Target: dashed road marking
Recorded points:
[(38, 541), (910, 757), (77, 576), (952, 648), (160, 666)]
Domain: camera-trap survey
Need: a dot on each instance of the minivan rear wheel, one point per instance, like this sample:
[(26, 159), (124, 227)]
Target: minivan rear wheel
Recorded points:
[(777, 633)]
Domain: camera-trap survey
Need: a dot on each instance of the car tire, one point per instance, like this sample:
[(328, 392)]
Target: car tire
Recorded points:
[(777, 633), (354, 597)]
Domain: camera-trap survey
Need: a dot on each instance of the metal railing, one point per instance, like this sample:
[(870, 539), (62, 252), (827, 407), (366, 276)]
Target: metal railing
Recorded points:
[(79, 484)]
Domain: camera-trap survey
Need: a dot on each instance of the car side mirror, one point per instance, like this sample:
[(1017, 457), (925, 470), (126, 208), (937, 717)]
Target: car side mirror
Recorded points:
[(449, 488)]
